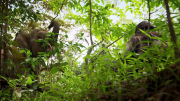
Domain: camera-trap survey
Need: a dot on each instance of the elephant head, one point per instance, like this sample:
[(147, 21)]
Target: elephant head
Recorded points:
[(36, 34), (139, 42), (144, 25)]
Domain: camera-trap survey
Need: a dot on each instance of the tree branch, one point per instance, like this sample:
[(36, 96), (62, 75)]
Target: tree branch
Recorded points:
[(63, 3), (108, 46), (156, 10)]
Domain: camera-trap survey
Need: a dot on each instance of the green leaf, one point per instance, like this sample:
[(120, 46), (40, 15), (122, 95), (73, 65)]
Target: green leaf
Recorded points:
[(39, 40), (28, 59), (22, 51), (43, 63), (54, 70), (64, 64), (66, 36), (145, 33), (29, 53), (61, 43), (82, 34), (29, 80), (3, 77), (41, 52), (102, 1)]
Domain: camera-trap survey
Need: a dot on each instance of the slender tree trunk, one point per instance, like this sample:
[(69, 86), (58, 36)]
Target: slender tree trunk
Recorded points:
[(1, 12), (171, 29), (4, 32), (149, 10), (90, 50), (91, 23)]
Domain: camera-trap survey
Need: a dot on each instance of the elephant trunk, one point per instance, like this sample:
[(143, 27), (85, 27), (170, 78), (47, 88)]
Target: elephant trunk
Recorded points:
[(56, 28)]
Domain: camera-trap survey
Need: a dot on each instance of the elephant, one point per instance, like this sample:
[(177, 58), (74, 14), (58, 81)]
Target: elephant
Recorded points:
[(28, 41), (24, 40), (137, 42)]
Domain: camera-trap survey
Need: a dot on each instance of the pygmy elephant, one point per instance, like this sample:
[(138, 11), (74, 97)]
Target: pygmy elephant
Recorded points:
[(29, 41)]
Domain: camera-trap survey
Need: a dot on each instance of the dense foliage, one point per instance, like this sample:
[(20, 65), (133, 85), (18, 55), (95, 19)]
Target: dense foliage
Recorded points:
[(85, 64)]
